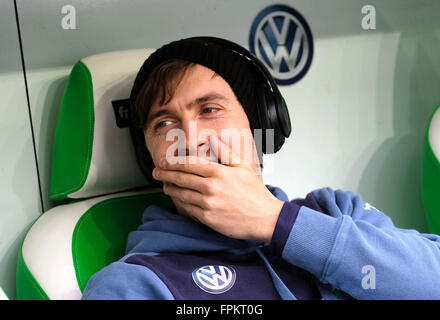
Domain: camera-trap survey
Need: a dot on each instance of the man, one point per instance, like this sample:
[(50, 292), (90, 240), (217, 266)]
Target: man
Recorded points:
[(227, 235)]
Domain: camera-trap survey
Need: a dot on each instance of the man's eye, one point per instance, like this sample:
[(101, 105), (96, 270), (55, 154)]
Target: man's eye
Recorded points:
[(161, 124), (209, 110)]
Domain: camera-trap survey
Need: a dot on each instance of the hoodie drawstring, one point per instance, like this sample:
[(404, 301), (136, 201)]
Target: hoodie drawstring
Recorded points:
[(283, 291)]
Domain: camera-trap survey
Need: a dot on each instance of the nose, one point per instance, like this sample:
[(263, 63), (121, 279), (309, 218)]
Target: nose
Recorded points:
[(196, 142)]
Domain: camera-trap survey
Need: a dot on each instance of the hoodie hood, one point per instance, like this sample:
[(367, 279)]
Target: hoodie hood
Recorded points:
[(163, 230)]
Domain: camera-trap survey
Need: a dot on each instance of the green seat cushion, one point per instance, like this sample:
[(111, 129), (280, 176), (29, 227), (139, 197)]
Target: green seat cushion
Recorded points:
[(431, 174), (69, 243), (101, 234)]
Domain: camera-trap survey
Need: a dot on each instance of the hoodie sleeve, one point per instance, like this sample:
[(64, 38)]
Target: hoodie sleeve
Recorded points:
[(124, 281), (356, 248)]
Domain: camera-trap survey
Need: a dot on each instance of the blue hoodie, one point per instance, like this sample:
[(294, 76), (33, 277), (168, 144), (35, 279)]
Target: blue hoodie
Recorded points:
[(329, 245)]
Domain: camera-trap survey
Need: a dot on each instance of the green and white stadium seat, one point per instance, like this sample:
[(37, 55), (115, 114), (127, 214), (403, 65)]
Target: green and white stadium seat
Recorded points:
[(431, 173), (96, 179)]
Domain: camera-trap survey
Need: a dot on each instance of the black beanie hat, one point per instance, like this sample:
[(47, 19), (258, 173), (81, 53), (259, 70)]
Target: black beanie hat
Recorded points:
[(235, 69)]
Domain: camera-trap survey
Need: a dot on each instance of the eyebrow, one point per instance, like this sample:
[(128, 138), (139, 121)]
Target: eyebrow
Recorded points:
[(205, 98)]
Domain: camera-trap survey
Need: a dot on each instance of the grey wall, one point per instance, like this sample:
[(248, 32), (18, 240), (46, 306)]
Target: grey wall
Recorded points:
[(19, 191)]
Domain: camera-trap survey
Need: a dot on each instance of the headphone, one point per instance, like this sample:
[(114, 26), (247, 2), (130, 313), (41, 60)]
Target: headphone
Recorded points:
[(271, 106)]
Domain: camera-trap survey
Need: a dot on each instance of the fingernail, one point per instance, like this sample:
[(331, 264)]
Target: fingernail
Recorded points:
[(163, 163), (155, 173)]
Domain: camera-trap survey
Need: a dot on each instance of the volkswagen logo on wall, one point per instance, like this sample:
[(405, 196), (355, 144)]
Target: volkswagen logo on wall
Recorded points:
[(214, 279), (281, 38)]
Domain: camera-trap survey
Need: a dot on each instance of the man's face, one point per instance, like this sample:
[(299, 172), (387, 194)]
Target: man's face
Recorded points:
[(203, 104)]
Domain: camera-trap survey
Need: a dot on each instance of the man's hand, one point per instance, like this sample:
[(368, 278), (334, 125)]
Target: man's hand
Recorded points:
[(230, 198)]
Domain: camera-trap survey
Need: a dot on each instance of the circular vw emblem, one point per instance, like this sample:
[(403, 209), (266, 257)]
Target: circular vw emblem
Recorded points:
[(281, 38), (214, 279)]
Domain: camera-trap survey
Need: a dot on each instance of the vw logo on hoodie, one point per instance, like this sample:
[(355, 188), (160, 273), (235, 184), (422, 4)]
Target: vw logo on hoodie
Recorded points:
[(214, 279)]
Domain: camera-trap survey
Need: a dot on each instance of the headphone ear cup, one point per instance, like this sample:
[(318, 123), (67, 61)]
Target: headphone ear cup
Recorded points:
[(263, 116), (262, 106), (283, 117), (268, 109)]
